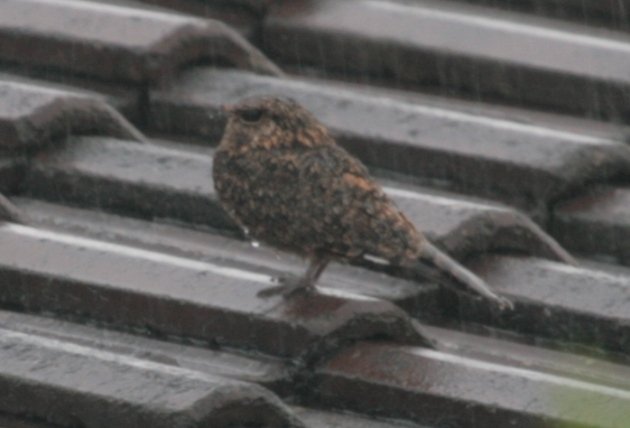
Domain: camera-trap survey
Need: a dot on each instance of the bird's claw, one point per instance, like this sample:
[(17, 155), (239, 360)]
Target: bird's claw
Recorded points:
[(504, 303)]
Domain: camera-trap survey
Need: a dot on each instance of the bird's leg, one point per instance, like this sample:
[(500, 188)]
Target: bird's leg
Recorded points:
[(9, 212), (316, 269), (304, 283)]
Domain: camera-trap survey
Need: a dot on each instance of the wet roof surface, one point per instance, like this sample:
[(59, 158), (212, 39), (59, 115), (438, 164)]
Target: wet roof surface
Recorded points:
[(128, 298)]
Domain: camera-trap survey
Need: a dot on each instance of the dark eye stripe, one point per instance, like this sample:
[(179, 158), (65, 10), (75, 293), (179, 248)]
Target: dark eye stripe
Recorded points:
[(252, 115)]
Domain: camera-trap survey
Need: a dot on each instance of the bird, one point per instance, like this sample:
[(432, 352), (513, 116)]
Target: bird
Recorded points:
[(283, 179)]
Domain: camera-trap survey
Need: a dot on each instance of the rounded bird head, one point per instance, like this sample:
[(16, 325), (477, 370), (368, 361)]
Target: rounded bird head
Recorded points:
[(270, 122)]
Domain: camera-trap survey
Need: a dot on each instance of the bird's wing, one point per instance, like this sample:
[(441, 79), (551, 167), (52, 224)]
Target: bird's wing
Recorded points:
[(359, 218)]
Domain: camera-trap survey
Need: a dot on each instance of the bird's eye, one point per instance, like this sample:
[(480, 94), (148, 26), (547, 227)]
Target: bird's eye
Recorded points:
[(252, 115)]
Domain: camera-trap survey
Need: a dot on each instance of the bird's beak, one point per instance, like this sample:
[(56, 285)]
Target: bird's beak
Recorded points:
[(227, 108)]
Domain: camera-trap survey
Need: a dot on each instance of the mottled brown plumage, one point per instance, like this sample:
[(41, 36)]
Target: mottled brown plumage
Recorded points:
[(284, 180)]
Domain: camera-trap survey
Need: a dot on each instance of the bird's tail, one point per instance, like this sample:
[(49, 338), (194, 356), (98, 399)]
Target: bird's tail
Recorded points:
[(9, 212), (464, 277)]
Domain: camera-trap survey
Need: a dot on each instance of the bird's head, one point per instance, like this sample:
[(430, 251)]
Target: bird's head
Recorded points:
[(270, 122)]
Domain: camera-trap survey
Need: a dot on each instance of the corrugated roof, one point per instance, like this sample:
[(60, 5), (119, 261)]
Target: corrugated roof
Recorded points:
[(129, 298)]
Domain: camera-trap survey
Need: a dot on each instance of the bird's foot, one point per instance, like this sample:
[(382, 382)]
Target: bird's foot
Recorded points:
[(289, 286)]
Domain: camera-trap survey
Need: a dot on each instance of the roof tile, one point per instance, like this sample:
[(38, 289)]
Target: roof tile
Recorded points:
[(570, 304), (11, 172), (32, 115), (170, 295), (459, 49), (69, 384), (524, 163), (115, 42), (202, 245), (597, 222), (589, 12), (130, 272), (97, 172), (428, 386)]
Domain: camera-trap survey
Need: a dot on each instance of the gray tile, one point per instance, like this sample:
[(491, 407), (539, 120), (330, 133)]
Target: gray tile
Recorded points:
[(208, 300), (35, 115), (448, 389), (170, 182), (459, 49), (114, 42), (579, 305), (613, 15), (523, 163), (596, 223), (69, 384)]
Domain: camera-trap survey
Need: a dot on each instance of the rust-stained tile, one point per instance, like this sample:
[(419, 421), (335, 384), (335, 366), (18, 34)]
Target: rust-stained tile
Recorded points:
[(596, 223), (166, 181), (460, 49), (448, 389), (523, 163), (33, 115), (114, 42), (208, 300), (72, 384), (572, 305)]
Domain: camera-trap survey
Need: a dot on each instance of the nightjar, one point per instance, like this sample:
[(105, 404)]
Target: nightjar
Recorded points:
[(282, 177)]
